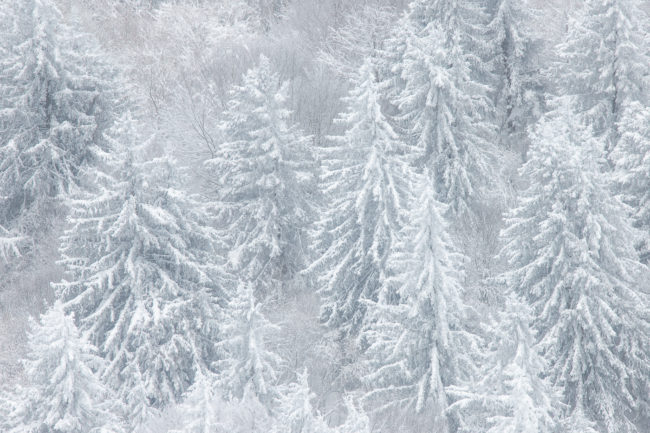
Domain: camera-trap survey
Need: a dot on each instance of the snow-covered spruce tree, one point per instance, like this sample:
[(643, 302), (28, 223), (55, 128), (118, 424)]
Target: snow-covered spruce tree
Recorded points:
[(604, 63), (199, 411), (517, 47), (579, 423), (264, 178), (365, 179), (247, 368), (356, 420), (250, 415), (294, 412), (137, 400), (57, 103), (605, 69), (143, 275), (570, 248), (443, 107), (418, 334), (512, 396), (63, 394), (632, 162), (463, 24)]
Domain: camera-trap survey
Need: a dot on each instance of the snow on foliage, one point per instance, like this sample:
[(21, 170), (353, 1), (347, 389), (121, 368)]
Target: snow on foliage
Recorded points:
[(365, 179), (56, 107), (64, 393), (242, 191), (609, 37), (143, 273), (294, 413), (263, 173), (570, 249), (246, 367), (419, 341)]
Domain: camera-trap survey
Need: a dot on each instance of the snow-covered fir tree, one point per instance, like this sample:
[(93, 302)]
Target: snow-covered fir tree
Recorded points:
[(56, 105), (247, 369), (294, 412), (63, 393), (517, 47), (512, 396), (444, 108), (419, 339), (264, 180), (570, 249), (143, 273), (604, 63), (365, 179)]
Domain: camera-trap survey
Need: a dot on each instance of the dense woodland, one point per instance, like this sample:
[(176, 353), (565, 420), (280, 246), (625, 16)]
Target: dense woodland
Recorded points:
[(324, 216)]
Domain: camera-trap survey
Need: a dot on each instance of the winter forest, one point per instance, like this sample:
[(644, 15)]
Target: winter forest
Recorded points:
[(324, 216)]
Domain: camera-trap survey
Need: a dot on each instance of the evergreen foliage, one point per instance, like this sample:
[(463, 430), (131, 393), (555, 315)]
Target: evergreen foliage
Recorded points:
[(519, 86), (512, 395), (63, 394), (632, 173), (295, 413), (443, 105), (264, 179), (365, 179), (356, 420), (199, 411), (143, 274), (419, 341), (605, 63), (247, 369), (569, 245), (56, 108), (345, 154)]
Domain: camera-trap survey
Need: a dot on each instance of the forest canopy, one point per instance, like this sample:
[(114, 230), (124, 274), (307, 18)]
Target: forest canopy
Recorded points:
[(324, 216)]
